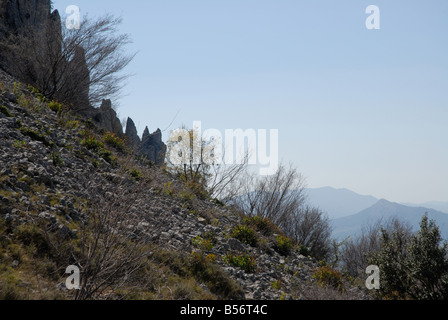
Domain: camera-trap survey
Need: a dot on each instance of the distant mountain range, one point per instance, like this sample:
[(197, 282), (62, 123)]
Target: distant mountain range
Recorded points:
[(350, 212), (339, 203)]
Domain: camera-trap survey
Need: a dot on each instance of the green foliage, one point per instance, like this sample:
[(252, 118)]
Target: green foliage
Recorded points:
[(326, 276), (19, 144), (108, 156), (57, 159), (37, 93), (203, 244), (17, 90), (113, 141), (245, 234), (241, 260), (92, 143), (415, 268), (32, 235), (135, 174), (167, 189), (304, 251), (5, 111), (263, 225), (283, 245), (55, 106), (203, 268)]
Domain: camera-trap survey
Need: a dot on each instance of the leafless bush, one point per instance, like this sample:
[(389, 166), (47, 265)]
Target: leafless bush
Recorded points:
[(275, 197), (311, 228), (110, 246), (281, 198)]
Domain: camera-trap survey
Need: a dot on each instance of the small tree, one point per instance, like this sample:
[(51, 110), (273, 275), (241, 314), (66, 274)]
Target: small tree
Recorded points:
[(415, 267), (199, 163), (354, 253)]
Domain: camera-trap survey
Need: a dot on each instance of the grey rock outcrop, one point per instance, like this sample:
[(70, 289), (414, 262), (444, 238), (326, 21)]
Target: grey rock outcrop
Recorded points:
[(150, 146), (132, 135), (106, 118), (153, 147), (30, 19), (35, 20)]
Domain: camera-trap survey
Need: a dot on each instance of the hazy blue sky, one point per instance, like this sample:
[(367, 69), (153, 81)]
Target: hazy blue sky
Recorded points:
[(360, 109)]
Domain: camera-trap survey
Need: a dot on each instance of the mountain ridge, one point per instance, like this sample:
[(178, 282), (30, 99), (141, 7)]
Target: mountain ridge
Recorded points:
[(383, 210)]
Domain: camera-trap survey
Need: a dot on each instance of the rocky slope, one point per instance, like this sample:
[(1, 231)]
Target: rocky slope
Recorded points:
[(56, 169), (36, 20)]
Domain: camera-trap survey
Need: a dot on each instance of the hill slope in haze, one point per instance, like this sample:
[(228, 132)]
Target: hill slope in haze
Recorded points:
[(339, 203), (383, 209)]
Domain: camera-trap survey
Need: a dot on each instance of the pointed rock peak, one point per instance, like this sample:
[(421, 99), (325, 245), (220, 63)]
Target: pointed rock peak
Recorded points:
[(130, 124), (145, 133), (131, 129)]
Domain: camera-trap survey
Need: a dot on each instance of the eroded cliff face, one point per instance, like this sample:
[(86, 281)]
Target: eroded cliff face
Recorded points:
[(28, 18), (35, 19)]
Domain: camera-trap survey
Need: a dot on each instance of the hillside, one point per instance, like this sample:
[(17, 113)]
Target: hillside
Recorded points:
[(384, 209), (73, 193), (338, 203)]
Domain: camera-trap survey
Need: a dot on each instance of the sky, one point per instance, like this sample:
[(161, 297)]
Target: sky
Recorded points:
[(355, 108)]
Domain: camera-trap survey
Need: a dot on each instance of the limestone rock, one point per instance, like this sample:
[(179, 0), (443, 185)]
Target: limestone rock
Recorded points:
[(132, 135), (153, 147), (106, 118)]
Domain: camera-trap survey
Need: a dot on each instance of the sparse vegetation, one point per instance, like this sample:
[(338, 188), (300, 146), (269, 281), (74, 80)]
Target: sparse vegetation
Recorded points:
[(4, 110), (242, 260), (326, 276), (113, 141), (283, 245), (245, 234)]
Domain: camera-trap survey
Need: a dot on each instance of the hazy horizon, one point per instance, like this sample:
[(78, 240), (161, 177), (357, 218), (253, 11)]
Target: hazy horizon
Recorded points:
[(360, 109)]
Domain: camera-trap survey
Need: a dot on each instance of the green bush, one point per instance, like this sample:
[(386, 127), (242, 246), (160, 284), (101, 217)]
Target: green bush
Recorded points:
[(203, 244), (241, 260), (92, 143), (5, 111), (245, 234), (113, 141), (283, 245), (304, 251), (326, 276), (135, 174), (37, 93), (216, 279), (414, 267), (55, 106), (263, 225)]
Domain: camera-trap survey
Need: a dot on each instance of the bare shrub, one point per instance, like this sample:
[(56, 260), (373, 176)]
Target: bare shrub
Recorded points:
[(281, 199)]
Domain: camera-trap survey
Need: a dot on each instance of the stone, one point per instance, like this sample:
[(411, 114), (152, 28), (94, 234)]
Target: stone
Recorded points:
[(106, 117), (152, 147), (32, 19), (132, 135), (235, 244)]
